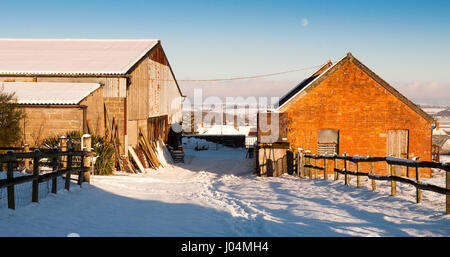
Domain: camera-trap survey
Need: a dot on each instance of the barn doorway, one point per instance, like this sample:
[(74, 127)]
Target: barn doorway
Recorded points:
[(397, 146), (158, 128)]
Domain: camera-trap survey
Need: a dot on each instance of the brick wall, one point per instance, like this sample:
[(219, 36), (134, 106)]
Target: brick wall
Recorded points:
[(94, 112), (43, 122), (363, 111)]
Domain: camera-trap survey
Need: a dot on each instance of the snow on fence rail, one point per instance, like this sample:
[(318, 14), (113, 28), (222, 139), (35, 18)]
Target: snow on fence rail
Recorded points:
[(304, 168), (58, 170)]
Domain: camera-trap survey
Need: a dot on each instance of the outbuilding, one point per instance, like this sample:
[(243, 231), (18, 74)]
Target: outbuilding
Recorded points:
[(85, 84), (346, 108)]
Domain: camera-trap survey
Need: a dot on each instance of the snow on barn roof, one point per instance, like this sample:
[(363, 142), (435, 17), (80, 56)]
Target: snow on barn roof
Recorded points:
[(49, 92), (222, 130), (72, 56)]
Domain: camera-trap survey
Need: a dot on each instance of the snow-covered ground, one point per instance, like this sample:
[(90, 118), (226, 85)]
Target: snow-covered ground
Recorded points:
[(214, 194)]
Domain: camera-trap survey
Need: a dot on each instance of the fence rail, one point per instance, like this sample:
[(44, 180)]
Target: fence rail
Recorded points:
[(59, 169), (305, 168)]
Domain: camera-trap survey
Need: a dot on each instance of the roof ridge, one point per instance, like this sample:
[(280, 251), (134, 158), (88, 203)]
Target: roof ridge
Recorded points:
[(83, 39), (374, 76), (72, 56)]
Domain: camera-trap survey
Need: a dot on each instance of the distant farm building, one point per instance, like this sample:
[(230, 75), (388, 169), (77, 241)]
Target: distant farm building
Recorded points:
[(345, 107), (85, 84)]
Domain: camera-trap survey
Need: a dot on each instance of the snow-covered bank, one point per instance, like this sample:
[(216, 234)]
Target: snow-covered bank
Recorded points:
[(214, 194)]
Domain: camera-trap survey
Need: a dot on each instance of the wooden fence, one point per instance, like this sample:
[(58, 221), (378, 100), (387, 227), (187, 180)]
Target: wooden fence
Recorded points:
[(48, 158), (307, 166)]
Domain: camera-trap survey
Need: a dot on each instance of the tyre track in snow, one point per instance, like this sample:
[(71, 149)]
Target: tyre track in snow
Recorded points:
[(246, 220)]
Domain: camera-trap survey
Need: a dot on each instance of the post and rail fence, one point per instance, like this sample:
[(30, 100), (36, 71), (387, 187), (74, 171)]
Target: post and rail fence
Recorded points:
[(52, 158), (306, 166)]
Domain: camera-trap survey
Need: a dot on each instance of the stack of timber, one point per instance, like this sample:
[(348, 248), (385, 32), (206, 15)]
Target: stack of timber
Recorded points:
[(150, 153), (112, 133), (136, 159)]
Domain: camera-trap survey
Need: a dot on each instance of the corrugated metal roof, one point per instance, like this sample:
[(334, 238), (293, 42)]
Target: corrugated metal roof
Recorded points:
[(72, 56), (49, 92)]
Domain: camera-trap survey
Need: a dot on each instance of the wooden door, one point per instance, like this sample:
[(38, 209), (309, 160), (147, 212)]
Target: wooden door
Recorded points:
[(397, 146)]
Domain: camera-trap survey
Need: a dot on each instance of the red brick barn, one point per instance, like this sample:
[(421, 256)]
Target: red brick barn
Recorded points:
[(345, 107)]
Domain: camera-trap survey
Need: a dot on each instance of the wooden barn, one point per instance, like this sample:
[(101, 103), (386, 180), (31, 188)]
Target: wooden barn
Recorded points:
[(345, 107), (85, 84)]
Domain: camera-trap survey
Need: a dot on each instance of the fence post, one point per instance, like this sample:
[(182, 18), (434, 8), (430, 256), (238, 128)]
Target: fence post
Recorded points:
[(69, 168), (55, 179), (325, 171), (26, 149), (358, 177), (418, 191), (63, 148), (374, 185), (87, 143), (80, 173), (35, 192), (315, 164), (393, 184), (10, 189), (336, 174), (345, 169), (447, 197), (301, 163), (309, 169), (308, 162)]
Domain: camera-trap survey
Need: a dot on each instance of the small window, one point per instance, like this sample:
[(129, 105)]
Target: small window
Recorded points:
[(328, 141)]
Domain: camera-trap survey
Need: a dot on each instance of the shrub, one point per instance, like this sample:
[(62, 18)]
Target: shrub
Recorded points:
[(104, 153), (10, 117)]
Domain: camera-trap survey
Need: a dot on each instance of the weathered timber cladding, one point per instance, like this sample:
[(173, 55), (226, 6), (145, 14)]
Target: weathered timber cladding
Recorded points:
[(164, 96), (138, 92), (362, 110)]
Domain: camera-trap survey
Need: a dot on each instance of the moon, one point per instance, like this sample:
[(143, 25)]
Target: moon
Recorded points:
[(305, 22)]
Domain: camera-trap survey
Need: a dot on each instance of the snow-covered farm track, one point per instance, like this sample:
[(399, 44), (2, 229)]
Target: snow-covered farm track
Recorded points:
[(215, 194)]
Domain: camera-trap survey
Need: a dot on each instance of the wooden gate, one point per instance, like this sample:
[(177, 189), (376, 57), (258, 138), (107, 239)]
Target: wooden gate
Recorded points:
[(397, 146)]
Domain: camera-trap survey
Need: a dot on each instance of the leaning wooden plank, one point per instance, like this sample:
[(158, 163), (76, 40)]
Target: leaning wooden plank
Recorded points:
[(147, 153), (140, 154), (155, 156), (166, 154), (155, 152), (136, 159), (127, 165), (122, 165), (151, 150)]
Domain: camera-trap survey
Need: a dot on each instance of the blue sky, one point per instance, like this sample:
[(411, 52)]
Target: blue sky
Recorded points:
[(405, 42)]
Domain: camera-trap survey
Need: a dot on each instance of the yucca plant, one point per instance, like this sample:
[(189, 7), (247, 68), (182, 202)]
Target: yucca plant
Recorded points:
[(102, 148), (104, 153), (49, 142)]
